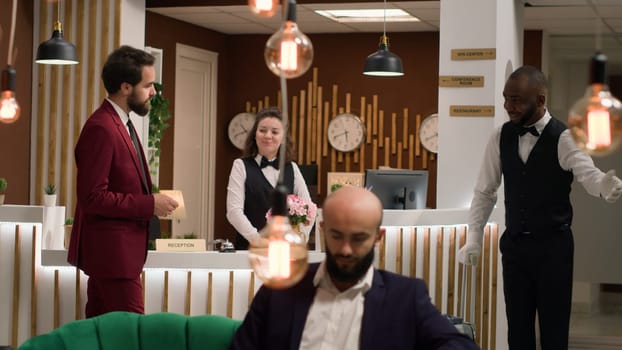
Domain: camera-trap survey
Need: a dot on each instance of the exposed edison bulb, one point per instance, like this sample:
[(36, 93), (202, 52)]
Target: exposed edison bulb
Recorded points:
[(289, 51), (9, 108), (279, 257), (263, 8), (595, 119)]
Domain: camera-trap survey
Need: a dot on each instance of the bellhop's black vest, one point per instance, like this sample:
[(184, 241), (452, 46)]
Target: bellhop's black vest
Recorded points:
[(258, 195), (536, 193)]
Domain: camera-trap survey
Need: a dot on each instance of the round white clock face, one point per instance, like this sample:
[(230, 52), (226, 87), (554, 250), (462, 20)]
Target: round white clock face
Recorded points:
[(428, 133), (239, 127), (346, 132)]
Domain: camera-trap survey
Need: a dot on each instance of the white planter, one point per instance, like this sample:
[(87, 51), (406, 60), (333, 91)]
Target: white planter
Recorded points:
[(49, 200)]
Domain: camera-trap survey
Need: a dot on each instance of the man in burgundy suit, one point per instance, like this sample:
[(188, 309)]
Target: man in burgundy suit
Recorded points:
[(115, 203)]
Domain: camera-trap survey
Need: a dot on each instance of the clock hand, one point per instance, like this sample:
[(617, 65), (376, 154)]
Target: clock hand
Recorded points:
[(343, 133), (241, 132)]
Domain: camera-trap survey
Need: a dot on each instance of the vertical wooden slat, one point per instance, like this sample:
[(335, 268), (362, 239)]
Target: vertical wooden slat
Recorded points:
[(413, 252), (486, 289), (210, 293), (56, 298), (104, 46), (333, 153), (478, 300), (310, 120), (52, 127), (461, 241), (381, 127), (426, 255), (393, 133), (279, 101), (399, 154), (362, 158), (451, 272), (266, 101), (77, 308), (493, 284), (92, 76), (382, 253), (411, 154), (42, 102), (78, 96), (438, 294), (387, 153), (375, 113), (165, 293), (117, 23), (335, 100), (17, 253), (142, 283), (65, 149), (398, 251), (327, 117), (260, 105), (405, 130), (321, 138), (417, 139), (188, 293), (424, 159), (33, 283), (251, 288), (301, 127), (230, 296), (340, 154), (374, 154), (293, 120)]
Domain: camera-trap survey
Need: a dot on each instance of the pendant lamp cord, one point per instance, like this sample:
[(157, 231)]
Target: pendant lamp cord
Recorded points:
[(12, 33), (384, 22), (284, 112)]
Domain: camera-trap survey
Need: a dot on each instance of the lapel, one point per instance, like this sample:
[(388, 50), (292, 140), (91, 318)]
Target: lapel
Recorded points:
[(374, 300), (122, 130)]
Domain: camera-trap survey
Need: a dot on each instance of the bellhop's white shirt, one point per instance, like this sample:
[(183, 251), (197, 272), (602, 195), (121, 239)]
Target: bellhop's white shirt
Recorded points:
[(571, 158), (236, 196)]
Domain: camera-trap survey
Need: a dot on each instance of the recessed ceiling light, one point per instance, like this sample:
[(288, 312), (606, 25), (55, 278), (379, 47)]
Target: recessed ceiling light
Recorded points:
[(368, 15)]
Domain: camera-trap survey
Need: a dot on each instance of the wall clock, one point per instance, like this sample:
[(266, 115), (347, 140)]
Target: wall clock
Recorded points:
[(239, 127), (346, 132), (428, 133)]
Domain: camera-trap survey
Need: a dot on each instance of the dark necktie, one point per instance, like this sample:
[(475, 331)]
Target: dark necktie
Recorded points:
[(139, 152), (532, 130), (265, 162)]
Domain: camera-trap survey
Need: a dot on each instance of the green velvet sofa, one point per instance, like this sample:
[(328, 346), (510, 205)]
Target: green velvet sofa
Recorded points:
[(129, 331)]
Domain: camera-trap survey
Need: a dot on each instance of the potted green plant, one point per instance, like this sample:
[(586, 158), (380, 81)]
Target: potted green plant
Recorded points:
[(3, 186), (68, 227), (158, 116), (49, 198)]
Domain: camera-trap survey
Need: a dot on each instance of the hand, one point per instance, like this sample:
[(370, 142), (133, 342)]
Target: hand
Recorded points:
[(469, 253), (611, 187), (163, 204)]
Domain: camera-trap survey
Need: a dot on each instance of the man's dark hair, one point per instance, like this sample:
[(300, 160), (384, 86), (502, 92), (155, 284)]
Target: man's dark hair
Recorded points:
[(536, 78), (125, 65)]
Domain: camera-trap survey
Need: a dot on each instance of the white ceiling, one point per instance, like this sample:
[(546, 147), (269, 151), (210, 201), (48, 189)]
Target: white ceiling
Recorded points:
[(556, 17)]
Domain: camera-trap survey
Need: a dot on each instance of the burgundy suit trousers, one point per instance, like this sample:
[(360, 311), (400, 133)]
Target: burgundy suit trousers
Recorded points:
[(107, 294)]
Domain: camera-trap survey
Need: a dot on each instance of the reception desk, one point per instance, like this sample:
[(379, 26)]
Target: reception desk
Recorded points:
[(40, 291)]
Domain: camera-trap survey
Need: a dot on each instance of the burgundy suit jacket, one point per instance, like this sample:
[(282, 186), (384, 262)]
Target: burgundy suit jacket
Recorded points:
[(110, 230)]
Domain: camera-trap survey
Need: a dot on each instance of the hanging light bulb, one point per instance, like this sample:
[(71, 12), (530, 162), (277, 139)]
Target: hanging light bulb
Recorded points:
[(279, 257), (263, 8), (9, 108), (595, 119), (289, 52)]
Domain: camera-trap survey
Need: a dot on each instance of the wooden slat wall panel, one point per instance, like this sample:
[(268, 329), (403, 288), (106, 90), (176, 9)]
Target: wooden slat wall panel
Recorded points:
[(66, 95)]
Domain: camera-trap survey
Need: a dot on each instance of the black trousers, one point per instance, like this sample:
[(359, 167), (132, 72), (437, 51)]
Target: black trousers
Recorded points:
[(537, 276)]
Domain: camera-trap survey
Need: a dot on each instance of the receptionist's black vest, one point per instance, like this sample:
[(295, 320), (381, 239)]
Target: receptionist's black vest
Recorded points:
[(536, 193), (258, 196)]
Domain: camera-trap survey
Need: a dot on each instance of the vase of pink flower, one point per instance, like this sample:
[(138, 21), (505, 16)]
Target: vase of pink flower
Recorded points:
[(300, 212)]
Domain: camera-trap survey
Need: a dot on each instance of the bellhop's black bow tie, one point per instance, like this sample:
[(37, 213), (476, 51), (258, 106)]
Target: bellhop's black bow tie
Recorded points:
[(532, 130), (265, 162)]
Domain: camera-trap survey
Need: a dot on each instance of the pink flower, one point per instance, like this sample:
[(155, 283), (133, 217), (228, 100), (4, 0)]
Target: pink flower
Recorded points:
[(299, 211)]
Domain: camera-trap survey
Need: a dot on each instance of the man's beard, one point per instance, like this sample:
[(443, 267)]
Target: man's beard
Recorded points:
[(140, 108), (529, 113), (353, 275)]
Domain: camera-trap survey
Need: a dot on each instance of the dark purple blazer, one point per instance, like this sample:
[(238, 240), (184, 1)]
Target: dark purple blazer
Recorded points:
[(398, 315), (109, 235)]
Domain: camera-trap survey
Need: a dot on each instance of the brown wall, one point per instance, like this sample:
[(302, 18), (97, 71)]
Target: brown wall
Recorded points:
[(15, 138)]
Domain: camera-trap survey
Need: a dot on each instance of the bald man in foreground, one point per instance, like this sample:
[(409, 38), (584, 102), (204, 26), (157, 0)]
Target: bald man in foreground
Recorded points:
[(344, 302)]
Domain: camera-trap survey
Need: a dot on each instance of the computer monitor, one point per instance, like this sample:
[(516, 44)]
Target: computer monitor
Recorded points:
[(399, 188)]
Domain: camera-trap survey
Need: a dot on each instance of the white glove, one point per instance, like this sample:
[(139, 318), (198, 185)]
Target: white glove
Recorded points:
[(469, 253), (611, 187)]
